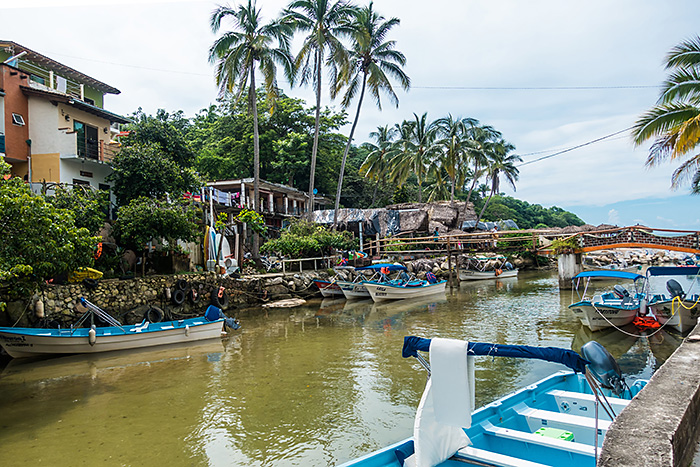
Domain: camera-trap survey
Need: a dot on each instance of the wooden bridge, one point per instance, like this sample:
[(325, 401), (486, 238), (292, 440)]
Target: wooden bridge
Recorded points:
[(537, 241)]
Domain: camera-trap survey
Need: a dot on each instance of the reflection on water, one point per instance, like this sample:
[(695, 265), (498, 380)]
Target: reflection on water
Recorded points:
[(314, 385)]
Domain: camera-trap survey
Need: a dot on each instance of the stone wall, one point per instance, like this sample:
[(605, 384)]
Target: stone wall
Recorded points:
[(128, 300)]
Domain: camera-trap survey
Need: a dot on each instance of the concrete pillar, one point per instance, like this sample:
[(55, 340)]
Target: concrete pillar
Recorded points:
[(569, 265), (271, 200), (286, 204)]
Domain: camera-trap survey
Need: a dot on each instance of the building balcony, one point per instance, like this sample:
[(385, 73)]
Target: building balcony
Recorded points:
[(2, 144)]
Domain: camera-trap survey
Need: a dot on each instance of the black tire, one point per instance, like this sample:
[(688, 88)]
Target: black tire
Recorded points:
[(219, 302), (153, 315), (193, 296), (181, 284), (177, 296), (90, 283)]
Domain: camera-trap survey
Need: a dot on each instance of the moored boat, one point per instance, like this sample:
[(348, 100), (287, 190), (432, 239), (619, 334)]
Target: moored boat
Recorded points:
[(328, 288), (29, 342), (553, 422), (409, 289), (357, 289), (487, 268), (680, 307), (599, 311)]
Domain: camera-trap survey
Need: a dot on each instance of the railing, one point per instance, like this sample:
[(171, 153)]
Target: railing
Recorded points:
[(73, 88), (2, 143), (326, 261)]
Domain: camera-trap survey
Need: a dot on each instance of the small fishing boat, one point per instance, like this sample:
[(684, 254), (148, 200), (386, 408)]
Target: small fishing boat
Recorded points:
[(616, 308), (357, 289), (679, 308), (406, 288), (560, 420), (29, 342), (485, 268), (328, 288)]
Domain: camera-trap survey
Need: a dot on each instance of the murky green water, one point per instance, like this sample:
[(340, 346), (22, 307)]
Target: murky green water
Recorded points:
[(310, 386)]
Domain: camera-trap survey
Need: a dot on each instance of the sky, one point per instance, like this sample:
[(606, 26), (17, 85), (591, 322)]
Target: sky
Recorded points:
[(551, 75)]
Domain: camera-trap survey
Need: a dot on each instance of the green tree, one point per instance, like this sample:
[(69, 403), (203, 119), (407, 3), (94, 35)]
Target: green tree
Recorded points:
[(146, 170), (237, 55), (40, 240), (88, 206), (373, 61), (501, 164), (376, 165), (674, 122), (454, 142), (165, 130), (414, 150), (324, 22)]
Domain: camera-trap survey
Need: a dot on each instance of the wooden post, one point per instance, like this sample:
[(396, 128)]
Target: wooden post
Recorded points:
[(449, 260)]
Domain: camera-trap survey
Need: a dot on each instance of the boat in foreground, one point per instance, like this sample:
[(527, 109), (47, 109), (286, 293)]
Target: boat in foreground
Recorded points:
[(560, 420), (610, 309), (30, 342), (679, 308)]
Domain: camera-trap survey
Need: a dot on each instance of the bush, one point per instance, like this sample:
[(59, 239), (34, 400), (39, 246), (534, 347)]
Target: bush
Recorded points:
[(304, 239)]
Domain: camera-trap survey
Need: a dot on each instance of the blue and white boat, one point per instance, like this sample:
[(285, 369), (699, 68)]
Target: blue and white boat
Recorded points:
[(678, 306), (615, 308), (30, 342), (558, 421), (357, 289)]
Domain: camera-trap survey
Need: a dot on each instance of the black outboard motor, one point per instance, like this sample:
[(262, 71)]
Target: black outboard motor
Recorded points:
[(620, 291), (675, 289), (604, 367)]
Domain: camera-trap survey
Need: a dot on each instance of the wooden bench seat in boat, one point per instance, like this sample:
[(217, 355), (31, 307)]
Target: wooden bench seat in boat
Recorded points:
[(492, 458)]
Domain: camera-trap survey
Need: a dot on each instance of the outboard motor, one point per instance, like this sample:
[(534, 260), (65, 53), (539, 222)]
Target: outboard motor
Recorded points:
[(508, 266), (603, 367), (675, 289), (620, 291)]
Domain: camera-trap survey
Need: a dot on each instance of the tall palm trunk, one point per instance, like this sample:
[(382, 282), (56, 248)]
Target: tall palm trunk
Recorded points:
[(493, 190), (471, 189), (314, 150), (419, 176), (345, 153), (256, 161)]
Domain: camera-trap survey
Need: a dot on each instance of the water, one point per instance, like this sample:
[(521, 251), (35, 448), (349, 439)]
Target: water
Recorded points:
[(311, 386)]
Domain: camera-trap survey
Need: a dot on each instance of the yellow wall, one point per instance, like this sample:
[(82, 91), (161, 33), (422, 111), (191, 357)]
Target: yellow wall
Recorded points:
[(46, 167)]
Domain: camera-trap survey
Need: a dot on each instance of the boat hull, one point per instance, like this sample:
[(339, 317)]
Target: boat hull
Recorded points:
[(353, 290), (329, 289), (472, 275), (29, 342), (507, 431), (597, 316), (681, 316), (383, 291)]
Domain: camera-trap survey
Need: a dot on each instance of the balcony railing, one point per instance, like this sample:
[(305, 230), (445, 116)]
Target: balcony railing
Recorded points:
[(2, 144)]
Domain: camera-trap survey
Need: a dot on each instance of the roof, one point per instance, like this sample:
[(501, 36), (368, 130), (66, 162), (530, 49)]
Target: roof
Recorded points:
[(58, 67), (56, 96), (226, 185), (609, 275), (673, 271)]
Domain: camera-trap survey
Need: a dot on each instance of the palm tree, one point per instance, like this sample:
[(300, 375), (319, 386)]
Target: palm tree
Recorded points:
[(674, 123), (414, 151), (376, 165), (237, 55), (481, 140), (454, 144), (325, 22), (373, 61), (501, 163)]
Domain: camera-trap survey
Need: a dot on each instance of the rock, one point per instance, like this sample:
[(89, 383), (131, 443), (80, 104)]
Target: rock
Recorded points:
[(274, 281)]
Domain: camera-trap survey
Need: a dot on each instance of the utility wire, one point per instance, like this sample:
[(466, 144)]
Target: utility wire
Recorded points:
[(575, 147)]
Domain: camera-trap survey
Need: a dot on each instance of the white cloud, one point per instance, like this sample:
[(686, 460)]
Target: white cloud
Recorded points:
[(613, 217)]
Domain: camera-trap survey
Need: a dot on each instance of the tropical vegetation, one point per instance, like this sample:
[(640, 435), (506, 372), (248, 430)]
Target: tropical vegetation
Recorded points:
[(673, 124)]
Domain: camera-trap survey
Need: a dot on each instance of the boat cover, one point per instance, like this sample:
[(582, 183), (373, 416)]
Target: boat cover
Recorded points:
[(411, 344), (609, 274), (673, 271), (376, 267)]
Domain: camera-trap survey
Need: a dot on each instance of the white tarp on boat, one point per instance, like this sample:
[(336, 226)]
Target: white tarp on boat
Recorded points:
[(446, 405)]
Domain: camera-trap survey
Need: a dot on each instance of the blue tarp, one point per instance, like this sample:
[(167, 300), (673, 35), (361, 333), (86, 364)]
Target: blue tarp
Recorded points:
[(411, 344), (673, 271), (376, 267), (609, 275)]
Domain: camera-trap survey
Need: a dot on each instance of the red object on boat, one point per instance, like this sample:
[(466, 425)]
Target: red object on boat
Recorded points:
[(646, 322)]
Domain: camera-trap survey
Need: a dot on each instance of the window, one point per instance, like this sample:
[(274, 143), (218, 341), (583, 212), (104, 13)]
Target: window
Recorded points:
[(77, 181), (89, 101), (17, 119)]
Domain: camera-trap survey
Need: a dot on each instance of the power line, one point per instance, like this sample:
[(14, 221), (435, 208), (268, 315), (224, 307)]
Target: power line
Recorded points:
[(532, 88), (575, 147)]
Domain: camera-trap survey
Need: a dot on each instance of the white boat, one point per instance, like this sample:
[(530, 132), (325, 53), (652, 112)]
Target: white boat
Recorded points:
[(410, 289), (680, 307), (29, 342), (328, 289), (484, 268), (357, 289), (610, 309), (553, 422)]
